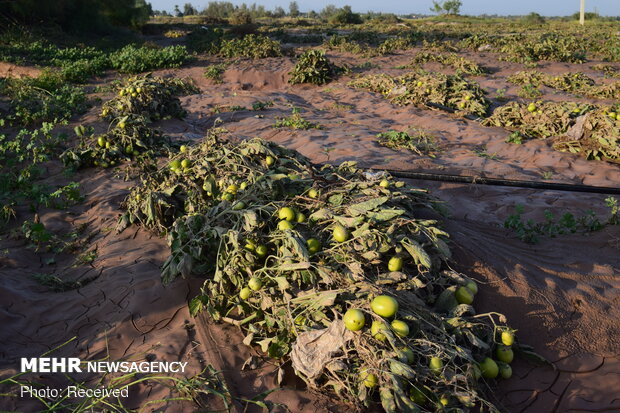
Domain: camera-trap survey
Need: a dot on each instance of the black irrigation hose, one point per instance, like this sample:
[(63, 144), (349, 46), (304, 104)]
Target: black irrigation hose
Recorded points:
[(504, 182)]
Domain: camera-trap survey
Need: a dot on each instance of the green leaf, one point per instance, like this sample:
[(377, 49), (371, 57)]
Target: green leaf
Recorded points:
[(196, 305), (475, 340), (402, 369), (363, 207), (283, 283), (446, 300), (321, 214), (296, 266), (387, 400), (349, 222), (264, 344), (336, 200), (417, 252), (384, 215)]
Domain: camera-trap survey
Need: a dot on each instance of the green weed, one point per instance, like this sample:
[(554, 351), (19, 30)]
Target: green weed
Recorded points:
[(296, 121)]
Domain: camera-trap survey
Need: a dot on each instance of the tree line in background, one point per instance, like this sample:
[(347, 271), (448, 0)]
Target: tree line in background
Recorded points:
[(76, 15), (221, 10)]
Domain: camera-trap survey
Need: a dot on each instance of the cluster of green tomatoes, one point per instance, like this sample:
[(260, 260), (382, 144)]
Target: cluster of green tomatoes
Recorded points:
[(386, 307)]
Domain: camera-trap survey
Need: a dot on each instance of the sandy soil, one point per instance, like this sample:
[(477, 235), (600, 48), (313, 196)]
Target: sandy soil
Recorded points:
[(562, 294), (11, 70)]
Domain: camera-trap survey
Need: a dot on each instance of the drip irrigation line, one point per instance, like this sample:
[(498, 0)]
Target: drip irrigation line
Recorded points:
[(476, 180)]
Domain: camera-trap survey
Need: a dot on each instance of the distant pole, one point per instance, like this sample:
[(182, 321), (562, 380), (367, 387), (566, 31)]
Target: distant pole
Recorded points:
[(582, 14)]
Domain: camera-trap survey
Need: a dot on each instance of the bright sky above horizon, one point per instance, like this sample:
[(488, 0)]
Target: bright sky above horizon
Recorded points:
[(471, 7)]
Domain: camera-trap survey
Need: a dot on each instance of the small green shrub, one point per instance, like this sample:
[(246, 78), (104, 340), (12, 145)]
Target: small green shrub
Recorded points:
[(252, 46), (79, 71), (205, 40), (529, 91), (530, 231), (312, 67), (296, 121), (241, 17), (345, 16), (533, 18), (132, 59), (215, 72), (416, 140), (45, 98)]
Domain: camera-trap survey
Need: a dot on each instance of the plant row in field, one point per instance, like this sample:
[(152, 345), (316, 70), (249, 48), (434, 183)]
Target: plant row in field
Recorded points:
[(598, 138), (293, 254)]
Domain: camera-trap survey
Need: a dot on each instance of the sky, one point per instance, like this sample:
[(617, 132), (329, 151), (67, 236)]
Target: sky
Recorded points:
[(471, 7)]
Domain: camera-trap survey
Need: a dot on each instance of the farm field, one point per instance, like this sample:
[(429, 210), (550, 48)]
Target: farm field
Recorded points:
[(212, 193)]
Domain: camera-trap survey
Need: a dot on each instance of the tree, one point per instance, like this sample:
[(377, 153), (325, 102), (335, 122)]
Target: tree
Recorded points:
[(189, 10), (76, 15), (293, 9), (345, 16), (240, 17), (177, 11), (447, 7), (279, 12), (328, 11), (219, 9)]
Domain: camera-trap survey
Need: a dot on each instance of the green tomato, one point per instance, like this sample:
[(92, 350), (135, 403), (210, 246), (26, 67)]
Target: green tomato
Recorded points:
[(245, 293), (238, 206), (464, 295), (395, 264), (436, 365), (285, 225), (489, 368), (354, 319), (250, 245), (261, 250), (340, 233), (286, 213), (505, 354), (369, 380), (505, 371), (314, 245), (508, 338), (232, 188), (175, 165), (376, 330), (472, 286), (408, 354), (384, 305), (255, 284), (400, 328)]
